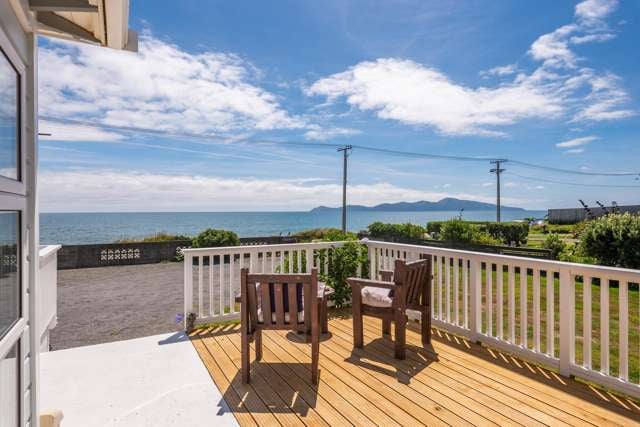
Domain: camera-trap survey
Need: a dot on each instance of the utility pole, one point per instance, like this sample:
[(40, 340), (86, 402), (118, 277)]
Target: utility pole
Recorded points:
[(497, 170), (345, 153)]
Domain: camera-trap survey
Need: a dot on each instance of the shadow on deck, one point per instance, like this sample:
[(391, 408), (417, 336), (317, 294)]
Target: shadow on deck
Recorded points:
[(453, 382)]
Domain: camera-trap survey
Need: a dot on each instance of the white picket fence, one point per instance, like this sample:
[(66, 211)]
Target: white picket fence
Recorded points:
[(213, 274), (519, 305)]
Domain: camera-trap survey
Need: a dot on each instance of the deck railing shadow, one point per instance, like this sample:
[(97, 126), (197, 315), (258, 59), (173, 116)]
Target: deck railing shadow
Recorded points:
[(577, 389)]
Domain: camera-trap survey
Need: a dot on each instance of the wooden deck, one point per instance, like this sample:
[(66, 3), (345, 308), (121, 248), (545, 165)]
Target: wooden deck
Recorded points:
[(453, 383)]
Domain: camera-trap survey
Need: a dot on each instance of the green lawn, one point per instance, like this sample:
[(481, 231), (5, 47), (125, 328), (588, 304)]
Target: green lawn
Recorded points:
[(634, 317)]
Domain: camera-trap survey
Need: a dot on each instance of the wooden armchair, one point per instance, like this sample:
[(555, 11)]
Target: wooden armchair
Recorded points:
[(389, 301), (278, 302)]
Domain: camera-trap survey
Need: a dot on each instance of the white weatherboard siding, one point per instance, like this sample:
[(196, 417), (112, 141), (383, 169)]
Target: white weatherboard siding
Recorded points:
[(153, 381)]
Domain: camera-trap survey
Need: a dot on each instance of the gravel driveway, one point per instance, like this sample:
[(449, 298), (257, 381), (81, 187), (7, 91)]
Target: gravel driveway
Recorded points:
[(97, 305)]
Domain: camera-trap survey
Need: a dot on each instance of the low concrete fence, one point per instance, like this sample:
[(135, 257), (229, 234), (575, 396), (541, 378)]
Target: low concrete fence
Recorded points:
[(106, 254)]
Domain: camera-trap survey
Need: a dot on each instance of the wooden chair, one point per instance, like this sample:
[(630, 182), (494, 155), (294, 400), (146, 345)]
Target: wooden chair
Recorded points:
[(389, 301), (278, 302)]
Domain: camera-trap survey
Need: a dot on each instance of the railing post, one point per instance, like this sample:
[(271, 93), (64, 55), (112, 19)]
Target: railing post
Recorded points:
[(188, 287), (475, 291), (566, 307)]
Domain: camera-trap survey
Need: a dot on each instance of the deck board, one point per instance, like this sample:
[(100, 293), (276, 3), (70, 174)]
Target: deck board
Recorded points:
[(454, 382)]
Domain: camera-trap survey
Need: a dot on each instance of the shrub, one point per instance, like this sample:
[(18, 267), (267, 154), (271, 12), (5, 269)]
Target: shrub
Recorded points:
[(158, 237), (554, 244), (211, 238), (509, 233), (613, 240), (326, 234), (343, 263), (457, 230), (396, 232)]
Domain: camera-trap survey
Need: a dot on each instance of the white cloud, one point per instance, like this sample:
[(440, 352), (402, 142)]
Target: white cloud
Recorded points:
[(503, 70), (553, 48), (67, 132), (414, 94), (487, 184), (417, 94), (322, 134), (81, 190), (592, 38), (576, 142), (162, 87), (595, 9)]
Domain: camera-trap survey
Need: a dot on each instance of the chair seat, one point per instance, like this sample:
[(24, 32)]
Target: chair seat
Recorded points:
[(376, 297)]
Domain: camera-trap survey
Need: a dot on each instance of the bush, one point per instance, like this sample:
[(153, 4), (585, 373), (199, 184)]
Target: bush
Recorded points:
[(509, 233), (343, 263), (211, 238), (457, 230), (325, 234), (613, 240), (158, 237), (396, 232), (554, 244)]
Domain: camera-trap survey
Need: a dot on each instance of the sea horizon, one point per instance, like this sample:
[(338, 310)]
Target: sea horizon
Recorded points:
[(106, 227)]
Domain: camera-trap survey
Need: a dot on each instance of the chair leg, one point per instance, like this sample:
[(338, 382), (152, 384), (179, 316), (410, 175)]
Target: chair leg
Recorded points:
[(325, 317), (258, 345), (425, 323), (245, 357), (386, 326), (315, 356), (400, 338), (357, 328)]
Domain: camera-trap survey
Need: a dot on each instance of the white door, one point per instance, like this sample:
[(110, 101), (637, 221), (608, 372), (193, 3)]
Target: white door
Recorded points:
[(14, 316)]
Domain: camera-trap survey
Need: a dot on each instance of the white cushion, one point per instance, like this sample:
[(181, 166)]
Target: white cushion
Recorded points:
[(286, 317), (376, 297)]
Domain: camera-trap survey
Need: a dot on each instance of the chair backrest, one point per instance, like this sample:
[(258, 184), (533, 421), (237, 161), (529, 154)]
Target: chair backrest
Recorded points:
[(278, 301), (415, 279)]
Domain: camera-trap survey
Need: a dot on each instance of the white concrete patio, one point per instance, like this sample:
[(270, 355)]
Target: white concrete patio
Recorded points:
[(152, 381)]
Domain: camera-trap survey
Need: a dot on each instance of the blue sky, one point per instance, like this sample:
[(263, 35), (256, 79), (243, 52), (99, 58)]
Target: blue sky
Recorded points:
[(545, 82)]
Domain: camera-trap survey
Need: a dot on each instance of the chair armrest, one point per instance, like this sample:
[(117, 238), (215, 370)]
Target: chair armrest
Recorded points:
[(354, 281)]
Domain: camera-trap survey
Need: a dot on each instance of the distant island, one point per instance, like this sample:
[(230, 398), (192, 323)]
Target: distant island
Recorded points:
[(446, 204)]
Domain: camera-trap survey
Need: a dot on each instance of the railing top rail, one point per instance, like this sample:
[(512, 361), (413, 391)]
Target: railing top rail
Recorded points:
[(595, 270), (259, 248), (48, 250)]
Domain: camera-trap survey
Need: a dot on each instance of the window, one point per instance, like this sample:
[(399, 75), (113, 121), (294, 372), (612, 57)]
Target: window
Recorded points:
[(9, 270), (9, 119), (10, 387)]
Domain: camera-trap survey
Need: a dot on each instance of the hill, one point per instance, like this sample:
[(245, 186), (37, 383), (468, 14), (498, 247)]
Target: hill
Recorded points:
[(446, 204)]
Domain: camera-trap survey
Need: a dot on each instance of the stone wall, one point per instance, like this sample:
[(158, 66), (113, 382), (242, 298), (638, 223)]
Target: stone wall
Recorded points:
[(105, 254)]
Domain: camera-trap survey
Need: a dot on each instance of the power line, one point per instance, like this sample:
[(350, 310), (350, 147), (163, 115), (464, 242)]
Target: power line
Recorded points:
[(577, 184), (571, 171), (225, 140)]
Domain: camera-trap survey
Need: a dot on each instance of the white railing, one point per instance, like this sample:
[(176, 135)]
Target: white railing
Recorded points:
[(47, 292), (537, 309), (529, 307), (212, 275)]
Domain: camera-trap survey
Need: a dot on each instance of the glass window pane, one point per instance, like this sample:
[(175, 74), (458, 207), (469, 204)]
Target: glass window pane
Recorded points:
[(10, 388), (9, 270), (9, 128)]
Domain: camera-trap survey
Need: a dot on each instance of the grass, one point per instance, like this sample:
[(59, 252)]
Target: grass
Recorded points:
[(553, 281)]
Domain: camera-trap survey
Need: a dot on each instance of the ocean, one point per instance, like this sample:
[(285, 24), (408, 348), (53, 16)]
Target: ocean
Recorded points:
[(85, 228)]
